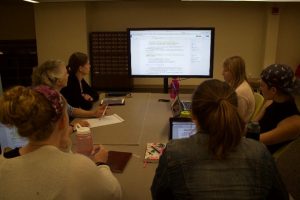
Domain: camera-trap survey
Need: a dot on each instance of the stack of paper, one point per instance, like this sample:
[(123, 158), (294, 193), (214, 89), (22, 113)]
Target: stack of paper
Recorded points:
[(106, 120)]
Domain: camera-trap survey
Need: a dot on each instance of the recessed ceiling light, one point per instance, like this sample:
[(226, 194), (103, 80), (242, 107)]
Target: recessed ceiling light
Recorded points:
[(31, 1)]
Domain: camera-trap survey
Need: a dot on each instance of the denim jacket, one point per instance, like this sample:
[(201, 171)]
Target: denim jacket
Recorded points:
[(187, 170)]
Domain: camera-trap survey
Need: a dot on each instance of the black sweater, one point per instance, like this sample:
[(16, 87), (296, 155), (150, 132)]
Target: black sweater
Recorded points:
[(73, 94)]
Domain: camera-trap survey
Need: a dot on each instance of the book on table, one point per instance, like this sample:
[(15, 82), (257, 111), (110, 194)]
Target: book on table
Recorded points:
[(153, 152), (117, 160)]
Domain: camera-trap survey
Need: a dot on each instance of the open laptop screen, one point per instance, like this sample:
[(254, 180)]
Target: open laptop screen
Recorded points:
[(181, 128)]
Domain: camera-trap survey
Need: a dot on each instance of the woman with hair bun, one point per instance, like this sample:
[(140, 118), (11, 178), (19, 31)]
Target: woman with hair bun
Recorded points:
[(53, 73), (78, 92), (44, 171), (216, 162)]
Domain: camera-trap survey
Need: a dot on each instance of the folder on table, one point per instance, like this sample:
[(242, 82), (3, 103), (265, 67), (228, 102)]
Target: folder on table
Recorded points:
[(117, 160)]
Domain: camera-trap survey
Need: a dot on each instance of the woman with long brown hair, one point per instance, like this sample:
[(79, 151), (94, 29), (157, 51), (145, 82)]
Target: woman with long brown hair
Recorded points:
[(216, 162), (78, 92)]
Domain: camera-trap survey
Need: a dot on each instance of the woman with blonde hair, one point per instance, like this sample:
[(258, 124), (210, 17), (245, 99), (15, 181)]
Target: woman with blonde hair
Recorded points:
[(234, 73), (44, 171), (216, 162)]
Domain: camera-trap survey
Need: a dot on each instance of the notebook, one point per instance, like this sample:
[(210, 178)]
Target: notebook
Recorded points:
[(179, 105), (117, 160), (181, 127), (153, 152)]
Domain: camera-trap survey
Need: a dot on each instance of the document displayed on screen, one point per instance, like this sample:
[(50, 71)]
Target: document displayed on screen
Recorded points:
[(183, 130), (170, 52)]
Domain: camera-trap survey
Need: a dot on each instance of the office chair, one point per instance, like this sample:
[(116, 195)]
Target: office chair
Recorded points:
[(288, 164), (9, 137)]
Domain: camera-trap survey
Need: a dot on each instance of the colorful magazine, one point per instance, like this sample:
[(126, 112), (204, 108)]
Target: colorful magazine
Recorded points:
[(154, 151)]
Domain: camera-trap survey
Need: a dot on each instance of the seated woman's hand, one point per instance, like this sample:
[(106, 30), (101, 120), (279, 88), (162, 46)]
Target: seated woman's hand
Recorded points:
[(99, 154), (98, 112), (80, 122)]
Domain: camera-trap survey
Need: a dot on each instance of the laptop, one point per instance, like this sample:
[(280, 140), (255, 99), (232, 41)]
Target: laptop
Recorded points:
[(181, 127), (178, 105)]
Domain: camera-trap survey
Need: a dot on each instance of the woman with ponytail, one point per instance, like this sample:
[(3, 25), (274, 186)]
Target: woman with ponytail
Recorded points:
[(78, 92), (216, 162)]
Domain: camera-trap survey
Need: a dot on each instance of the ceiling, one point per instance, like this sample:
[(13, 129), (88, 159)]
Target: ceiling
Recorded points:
[(98, 0), (45, 1)]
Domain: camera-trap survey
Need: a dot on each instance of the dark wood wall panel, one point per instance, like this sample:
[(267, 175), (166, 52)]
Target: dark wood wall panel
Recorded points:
[(109, 61), (17, 58)]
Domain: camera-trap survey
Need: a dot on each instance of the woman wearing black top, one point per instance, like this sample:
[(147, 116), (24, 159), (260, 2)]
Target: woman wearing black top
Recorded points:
[(279, 119), (78, 93)]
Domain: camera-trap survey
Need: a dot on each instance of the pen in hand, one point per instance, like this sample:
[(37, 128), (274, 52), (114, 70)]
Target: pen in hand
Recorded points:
[(103, 112)]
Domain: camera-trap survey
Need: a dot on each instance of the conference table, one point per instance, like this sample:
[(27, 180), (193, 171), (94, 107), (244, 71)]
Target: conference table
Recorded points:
[(146, 119)]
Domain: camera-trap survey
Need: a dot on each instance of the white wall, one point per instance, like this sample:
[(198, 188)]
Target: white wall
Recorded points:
[(288, 50), (60, 30)]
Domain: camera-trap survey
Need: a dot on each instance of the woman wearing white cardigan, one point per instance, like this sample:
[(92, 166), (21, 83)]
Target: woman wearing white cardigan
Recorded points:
[(43, 171)]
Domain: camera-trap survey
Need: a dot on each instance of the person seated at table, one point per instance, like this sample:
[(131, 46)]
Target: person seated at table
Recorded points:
[(216, 162), (54, 74), (234, 73), (77, 92), (279, 118), (43, 171)]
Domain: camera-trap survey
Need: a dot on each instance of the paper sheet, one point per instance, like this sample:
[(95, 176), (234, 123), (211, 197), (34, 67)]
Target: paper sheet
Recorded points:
[(106, 120)]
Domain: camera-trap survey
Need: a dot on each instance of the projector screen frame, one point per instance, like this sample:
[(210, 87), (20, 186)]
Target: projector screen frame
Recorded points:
[(212, 39)]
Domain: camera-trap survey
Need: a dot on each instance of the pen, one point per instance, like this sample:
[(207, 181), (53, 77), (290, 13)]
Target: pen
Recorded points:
[(155, 149), (104, 112)]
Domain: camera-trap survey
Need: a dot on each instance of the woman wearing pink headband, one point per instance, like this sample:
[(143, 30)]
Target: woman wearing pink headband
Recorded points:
[(43, 171)]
